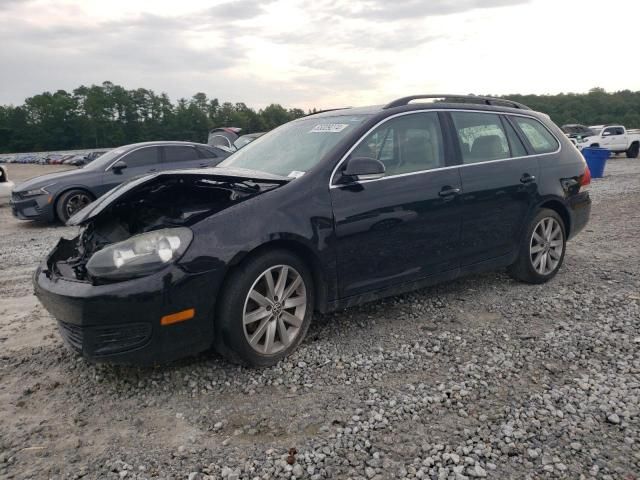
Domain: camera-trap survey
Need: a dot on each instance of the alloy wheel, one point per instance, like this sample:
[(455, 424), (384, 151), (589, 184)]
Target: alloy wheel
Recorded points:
[(546, 246), (274, 310), (76, 202)]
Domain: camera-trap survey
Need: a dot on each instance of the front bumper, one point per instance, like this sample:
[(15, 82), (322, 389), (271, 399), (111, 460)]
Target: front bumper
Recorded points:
[(120, 322), (32, 208)]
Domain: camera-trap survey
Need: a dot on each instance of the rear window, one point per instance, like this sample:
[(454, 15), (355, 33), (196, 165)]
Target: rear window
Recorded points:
[(179, 154), (206, 152), (541, 139)]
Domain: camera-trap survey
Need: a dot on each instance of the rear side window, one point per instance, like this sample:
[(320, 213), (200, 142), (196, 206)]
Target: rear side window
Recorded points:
[(142, 157), (405, 144), (180, 154), (206, 152), (481, 135), (539, 137)]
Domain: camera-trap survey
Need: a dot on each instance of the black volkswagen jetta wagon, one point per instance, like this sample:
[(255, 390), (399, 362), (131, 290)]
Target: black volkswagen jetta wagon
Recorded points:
[(324, 212)]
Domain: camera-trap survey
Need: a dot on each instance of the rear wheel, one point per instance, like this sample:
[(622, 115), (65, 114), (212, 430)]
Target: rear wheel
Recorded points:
[(72, 202), (633, 150), (265, 309), (542, 249)]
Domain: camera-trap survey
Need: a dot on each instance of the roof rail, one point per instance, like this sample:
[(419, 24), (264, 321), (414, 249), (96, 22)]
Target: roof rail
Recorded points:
[(326, 110), (451, 99)]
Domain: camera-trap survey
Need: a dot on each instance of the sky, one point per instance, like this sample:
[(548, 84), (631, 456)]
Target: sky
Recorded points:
[(319, 53)]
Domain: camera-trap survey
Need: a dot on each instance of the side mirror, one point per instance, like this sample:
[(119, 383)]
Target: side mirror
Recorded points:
[(606, 134), (118, 166), (364, 168)]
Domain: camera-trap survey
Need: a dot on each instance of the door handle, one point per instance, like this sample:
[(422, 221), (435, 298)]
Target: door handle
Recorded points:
[(448, 191), (526, 178)]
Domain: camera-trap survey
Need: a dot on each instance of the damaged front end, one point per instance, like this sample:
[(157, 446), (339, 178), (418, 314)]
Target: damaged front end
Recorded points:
[(144, 224), (118, 291)]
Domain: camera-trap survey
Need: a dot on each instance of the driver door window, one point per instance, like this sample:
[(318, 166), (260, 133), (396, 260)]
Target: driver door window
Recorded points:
[(405, 144)]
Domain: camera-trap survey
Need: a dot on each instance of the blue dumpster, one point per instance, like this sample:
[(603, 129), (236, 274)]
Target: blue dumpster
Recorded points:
[(596, 160)]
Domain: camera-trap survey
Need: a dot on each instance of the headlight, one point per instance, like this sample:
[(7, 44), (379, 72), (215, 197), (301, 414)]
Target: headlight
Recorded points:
[(37, 191), (140, 255)]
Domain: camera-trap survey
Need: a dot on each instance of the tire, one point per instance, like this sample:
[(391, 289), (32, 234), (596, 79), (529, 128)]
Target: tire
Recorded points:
[(71, 202), (633, 150), (525, 268), (595, 145), (285, 327)]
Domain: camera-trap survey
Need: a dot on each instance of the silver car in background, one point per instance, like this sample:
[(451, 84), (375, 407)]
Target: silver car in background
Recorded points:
[(6, 185)]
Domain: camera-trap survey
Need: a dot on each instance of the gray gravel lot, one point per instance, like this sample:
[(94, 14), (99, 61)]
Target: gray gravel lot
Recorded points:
[(482, 377)]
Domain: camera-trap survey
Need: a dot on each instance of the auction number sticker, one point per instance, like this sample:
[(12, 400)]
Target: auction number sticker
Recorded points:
[(329, 128)]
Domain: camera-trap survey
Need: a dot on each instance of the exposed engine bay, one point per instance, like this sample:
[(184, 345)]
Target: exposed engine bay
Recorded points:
[(167, 201)]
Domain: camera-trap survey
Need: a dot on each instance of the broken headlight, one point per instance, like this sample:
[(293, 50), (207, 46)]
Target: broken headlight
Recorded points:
[(140, 255)]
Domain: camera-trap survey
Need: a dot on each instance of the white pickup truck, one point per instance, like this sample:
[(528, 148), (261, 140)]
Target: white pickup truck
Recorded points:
[(614, 137)]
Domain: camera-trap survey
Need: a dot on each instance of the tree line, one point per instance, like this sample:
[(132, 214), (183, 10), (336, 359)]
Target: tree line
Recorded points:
[(594, 108), (109, 115)]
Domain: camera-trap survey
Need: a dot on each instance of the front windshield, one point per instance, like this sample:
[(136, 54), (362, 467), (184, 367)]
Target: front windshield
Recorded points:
[(103, 161), (295, 147)]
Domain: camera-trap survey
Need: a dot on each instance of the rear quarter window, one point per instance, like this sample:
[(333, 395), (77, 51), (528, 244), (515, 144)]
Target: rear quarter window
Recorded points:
[(540, 139), (206, 152)]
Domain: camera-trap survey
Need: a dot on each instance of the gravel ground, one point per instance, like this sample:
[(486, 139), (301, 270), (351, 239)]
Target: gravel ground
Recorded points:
[(482, 377)]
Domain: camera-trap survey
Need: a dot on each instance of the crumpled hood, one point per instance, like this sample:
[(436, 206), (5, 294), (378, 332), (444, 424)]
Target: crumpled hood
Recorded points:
[(48, 179), (213, 174)]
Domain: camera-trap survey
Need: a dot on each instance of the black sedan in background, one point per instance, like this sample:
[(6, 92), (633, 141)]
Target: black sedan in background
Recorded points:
[(57, 196), (324, 212)]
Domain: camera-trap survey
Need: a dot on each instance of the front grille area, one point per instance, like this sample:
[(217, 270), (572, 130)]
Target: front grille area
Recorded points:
[(72, 335), (108, 340), (98, 341)]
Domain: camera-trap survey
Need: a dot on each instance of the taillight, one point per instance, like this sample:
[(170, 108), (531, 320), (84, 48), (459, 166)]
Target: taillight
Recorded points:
[(585, 180)]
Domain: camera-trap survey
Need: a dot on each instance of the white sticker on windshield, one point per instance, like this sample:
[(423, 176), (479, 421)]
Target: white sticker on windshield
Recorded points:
[(295, 174), (329, 128)]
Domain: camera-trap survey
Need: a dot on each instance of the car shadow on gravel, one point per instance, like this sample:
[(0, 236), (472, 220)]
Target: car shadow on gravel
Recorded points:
[(332, 332), (38, 225)]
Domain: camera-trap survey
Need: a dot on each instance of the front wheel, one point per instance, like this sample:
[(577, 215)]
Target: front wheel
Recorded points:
[(265, 309), (72, 202), (542, 249)]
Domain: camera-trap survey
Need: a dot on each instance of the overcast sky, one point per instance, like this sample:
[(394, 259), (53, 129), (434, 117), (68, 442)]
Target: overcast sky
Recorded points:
[(319, 53)]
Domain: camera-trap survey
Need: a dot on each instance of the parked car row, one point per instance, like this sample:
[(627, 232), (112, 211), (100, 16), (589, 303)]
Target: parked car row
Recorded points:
[(76, 159)]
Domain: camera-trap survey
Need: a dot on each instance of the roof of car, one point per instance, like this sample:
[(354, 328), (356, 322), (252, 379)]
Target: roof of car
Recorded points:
[(334, 112), (163, 142), (253, 135), (420, 102)]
